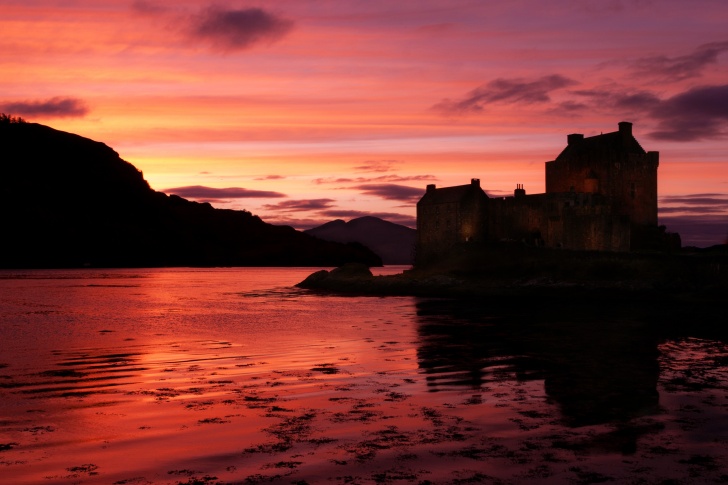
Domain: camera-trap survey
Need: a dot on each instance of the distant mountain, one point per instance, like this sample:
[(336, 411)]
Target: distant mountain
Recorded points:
[(67, 201), (394, 243)]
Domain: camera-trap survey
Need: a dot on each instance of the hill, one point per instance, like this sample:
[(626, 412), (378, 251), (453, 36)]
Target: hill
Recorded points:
[(394, 243), (68, 201)]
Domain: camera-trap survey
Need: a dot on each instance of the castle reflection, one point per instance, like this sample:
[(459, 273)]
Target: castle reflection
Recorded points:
[(597, 365)]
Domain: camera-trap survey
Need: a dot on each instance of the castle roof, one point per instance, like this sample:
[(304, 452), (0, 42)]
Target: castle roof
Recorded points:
[(620, 142), (454, 194)]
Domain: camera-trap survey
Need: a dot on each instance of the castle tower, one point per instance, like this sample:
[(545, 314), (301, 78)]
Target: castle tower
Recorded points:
[(613, 165)]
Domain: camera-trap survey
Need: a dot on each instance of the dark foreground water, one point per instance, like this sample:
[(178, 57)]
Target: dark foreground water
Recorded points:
[(186, 376)]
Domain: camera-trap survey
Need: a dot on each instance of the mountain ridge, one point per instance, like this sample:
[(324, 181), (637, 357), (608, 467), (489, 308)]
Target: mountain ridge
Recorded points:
[(69, 201), (394, 243)]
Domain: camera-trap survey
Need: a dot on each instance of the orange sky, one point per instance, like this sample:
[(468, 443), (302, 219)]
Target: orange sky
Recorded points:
[(316, 110)]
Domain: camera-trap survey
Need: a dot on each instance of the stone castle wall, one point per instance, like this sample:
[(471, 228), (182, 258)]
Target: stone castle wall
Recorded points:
[(571, 220)]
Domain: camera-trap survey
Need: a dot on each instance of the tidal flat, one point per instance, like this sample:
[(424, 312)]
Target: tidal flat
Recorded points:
[(222, 376)]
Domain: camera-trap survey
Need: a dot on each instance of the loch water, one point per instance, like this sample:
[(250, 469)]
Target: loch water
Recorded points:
[(234, 375)]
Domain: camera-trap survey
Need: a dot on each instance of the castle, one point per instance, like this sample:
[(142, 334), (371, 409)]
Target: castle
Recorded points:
[(601, 195)]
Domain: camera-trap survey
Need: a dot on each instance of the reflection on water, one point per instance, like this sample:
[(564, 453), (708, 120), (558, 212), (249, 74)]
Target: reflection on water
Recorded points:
[(233, 376), (597, 371)]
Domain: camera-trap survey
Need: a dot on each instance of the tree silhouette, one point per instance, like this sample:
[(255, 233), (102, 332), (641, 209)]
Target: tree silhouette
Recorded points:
[(7, 119)]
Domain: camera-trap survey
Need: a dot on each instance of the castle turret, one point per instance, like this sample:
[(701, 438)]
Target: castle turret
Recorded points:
[(574, 138), (625, 128)]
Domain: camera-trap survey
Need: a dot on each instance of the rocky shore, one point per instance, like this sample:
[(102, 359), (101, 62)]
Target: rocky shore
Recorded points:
[(529, 272)]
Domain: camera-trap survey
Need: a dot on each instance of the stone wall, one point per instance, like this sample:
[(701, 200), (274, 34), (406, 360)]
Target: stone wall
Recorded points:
[(571, 220)]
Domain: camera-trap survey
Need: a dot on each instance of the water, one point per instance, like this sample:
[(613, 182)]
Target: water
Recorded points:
[(205, 376)]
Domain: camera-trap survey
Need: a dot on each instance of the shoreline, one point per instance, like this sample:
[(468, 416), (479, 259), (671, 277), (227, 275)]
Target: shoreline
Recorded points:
[(516, 273)]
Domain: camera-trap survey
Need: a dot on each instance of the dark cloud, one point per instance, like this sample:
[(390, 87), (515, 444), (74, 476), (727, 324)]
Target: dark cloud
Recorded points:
[(698, 230), (57, 107), (697, 209), (615, 99), (693, 204), (377, 166), (381, 178), (147, 7), (698, 113), (711, 200), (271, 177), (392, 191), (700, 219), (211, 193), (505, 91), (680, 67), (231, 30), (300, 205), (571, 106)]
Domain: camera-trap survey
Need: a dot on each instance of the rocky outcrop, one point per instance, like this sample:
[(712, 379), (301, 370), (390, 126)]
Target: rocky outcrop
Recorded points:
[(518, 272)]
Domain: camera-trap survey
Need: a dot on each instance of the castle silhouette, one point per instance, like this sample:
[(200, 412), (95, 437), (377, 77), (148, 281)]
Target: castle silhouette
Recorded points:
[(601, 195)]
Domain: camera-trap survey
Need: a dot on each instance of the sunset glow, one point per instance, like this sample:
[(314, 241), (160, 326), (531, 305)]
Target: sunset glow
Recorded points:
[(303, 112)]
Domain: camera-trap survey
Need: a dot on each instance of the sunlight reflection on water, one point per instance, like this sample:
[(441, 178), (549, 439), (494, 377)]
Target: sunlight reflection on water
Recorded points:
[(233, 375)]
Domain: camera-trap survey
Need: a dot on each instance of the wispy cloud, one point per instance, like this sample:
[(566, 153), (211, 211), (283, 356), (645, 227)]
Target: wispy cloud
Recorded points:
[(680, 67), (619, 99), (202, 192), (230, 30), (391, 191), (713, 199), (300, 205), (377, 166), (57, 107), (509, 91), (381, 178), (271, 177), (693, 205)]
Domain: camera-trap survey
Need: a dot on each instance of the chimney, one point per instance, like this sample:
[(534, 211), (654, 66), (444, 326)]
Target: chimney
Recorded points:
[(430, 187), (475, 182), (574, 138), (520, 191), (625, 127)]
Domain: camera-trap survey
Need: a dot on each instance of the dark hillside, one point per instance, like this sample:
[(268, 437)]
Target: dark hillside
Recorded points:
[(394, 243), (67, 201)]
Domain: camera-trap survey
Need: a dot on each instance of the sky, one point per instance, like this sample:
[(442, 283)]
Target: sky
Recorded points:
[(302, 112)]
